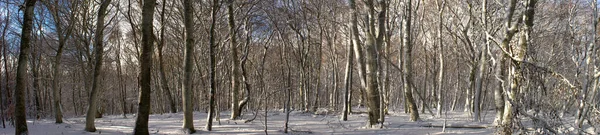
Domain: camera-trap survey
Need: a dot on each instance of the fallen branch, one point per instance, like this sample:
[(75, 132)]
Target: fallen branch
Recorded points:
[(456, 126)]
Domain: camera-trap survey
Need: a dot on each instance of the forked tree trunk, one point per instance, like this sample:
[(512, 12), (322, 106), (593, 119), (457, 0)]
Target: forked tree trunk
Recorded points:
[(21, 78), (99, 49)]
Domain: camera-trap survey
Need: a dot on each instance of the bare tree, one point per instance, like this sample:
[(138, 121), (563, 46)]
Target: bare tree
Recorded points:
[(64, 33), (21, 87), (407, 63), (99, 49), (141, 123), (212, 44), (188, 118)]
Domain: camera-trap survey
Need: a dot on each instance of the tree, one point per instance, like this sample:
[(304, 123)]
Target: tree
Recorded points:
[(235, 63), (348, 82), (99, 50), (481, 66), (440, 79), (212, 53), (141, 123), (21, 87), (163, 76), (188, 119), (407, 63), (64, 33)]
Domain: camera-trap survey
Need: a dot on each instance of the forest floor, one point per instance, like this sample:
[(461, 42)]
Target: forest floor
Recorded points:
[(300, 123)]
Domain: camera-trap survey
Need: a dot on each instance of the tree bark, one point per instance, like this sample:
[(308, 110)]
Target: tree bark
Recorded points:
[(63, 36), (480, 68), (21, 78), (212, 53), (440, 79), (188, 111), (163, 76), (407, 64), (235, 63), (99, 49), (141, 123), (589, 71), (348, 81)]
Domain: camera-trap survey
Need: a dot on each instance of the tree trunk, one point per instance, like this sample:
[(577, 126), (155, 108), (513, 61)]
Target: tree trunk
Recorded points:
[(235, 63), (163, 76), (481, 68), (589, 71), (4, 57), (440, 79), (212, 53), (515, 70), (348, 81), (141, 123), (21, 79), (407, 64), (358, 50), (188, 115), (35, 56), (122, 85), (99, 49)]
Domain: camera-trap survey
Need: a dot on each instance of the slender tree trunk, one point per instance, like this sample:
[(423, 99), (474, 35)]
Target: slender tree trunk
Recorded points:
[(122, 85), (358, 50), (141, 123), (407, 64), (4, 56), (212, 53), (440, 79), (589, 69), (99, 49), (163, 76), (481, 68), (188, 118), (515, 69), (348, 81), (35, 56), (21, 86), (56, 83)]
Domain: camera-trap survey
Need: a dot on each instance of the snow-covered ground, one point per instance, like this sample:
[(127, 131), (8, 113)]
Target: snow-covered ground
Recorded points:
[(300, 123)]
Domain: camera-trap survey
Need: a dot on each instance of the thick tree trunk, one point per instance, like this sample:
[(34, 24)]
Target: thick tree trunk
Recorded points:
[(99, 49), (235, 63), (188, 116), (141, 123), (21, 79)]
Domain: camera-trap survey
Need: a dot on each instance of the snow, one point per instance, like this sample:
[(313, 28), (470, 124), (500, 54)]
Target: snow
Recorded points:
[(300, 123)]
